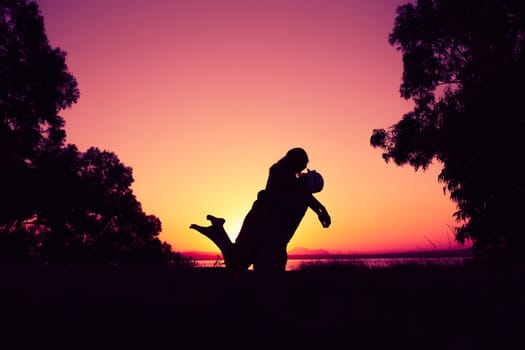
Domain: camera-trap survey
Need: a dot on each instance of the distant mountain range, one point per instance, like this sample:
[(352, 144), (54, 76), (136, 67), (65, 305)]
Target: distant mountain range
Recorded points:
[(306, 253)]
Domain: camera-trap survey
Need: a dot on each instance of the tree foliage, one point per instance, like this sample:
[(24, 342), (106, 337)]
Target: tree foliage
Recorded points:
[(464, 67), (56, 203), (34, 86), (88, 211)]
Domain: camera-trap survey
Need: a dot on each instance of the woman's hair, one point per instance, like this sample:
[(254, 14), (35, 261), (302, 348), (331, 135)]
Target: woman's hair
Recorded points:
[(295, 159)]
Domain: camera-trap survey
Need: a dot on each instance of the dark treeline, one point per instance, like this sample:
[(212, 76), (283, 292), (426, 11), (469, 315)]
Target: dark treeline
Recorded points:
[(464, 67), (58, 204)]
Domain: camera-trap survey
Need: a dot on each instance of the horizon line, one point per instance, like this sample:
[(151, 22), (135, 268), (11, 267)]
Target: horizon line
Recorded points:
[(324, 254)]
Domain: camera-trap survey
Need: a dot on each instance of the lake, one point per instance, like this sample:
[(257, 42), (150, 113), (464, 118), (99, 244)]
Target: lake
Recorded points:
[(371, 262)]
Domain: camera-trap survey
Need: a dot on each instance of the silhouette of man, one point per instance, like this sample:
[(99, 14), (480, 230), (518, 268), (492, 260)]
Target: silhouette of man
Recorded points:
[(271, 223)]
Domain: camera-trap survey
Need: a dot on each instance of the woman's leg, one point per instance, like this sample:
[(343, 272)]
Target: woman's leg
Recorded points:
[(217, 235), (234, 256)]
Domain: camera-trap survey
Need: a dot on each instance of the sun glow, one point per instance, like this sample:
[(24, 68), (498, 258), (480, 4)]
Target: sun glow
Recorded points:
[(200, 98), (233, 225)]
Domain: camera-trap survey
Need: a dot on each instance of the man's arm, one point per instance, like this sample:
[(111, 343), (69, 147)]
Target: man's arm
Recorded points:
[(289, 196), (320, 210)]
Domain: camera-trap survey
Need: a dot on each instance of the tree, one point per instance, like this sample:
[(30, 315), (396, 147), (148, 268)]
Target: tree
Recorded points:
[(57, 203), (35, 85), (464, 67), (88, 211)]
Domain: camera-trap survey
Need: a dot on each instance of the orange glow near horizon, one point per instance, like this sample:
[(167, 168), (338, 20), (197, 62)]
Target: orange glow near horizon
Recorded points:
[(201, 97)]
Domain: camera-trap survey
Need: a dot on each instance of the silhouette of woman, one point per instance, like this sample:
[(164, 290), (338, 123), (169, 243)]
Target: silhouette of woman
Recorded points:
[(273, 218)]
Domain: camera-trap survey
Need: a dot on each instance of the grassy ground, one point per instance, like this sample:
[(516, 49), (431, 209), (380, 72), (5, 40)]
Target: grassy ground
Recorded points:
[(325, 307)]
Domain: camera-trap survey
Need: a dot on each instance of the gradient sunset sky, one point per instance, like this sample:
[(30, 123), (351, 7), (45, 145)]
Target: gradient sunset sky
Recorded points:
[(201, 97)]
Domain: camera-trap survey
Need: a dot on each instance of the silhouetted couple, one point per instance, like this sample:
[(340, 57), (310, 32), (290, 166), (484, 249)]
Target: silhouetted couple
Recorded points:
[(271, 222)]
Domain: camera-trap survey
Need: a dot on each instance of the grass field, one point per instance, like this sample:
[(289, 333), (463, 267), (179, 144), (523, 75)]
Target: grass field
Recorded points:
[(325, 307)]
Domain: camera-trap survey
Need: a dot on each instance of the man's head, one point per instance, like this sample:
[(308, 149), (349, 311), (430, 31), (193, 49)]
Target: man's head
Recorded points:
[(313, 181)]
